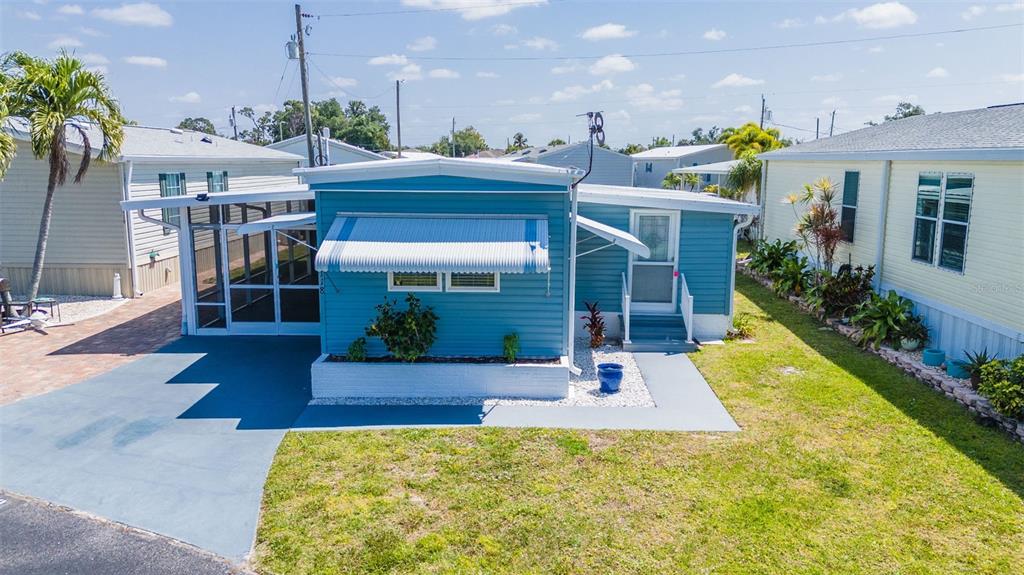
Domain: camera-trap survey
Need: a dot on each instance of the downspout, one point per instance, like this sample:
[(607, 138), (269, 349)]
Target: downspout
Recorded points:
[(882, 213), (763, 199), (736, 229), (127, 170), (571, 316)]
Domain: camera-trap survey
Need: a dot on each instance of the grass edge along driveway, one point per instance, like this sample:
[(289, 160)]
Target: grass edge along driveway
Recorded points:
[(845, 465)]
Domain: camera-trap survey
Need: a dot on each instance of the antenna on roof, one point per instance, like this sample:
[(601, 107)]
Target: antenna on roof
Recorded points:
[(595, 126)]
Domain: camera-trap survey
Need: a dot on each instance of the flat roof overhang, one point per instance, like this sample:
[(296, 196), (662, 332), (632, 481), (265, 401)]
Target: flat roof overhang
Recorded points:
[(295, 192)]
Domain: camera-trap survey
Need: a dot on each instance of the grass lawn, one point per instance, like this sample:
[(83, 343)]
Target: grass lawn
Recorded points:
[(844, 465)]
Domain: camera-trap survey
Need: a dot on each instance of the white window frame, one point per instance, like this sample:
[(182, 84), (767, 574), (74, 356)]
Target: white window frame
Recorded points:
[(940, 222), (434, 288), (476, 289)]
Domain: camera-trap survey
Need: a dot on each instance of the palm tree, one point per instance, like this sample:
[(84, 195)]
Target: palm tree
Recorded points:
[(751, 138), (519, 141), (746, 175), (58, 97), (672, 181), (8, 148), (691, 181)]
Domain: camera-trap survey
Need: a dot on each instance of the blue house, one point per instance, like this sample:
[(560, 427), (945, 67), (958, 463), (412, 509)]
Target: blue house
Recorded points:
[(494, 247)]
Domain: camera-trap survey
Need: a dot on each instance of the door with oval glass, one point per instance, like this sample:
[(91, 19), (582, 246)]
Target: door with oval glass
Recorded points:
[(653, 279)]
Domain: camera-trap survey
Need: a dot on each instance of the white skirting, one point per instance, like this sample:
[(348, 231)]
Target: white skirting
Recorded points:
[(337, 379), (710, 326)]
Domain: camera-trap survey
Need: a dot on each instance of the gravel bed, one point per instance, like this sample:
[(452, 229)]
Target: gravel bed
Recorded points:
[(584, 390), (76, 308)]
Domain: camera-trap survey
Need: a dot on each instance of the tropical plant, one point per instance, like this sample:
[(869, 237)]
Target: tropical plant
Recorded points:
[(751, 138), (841, 294), (510, 347), (691, 181), (1002, 382), (975, 361), (767, 257), (198, 124), (594, 324), (914, 329), (742, 326), (818, 227), (746, 176), (792, 277), (712, 189), (356, 350), (556, 142), (672, 181), (882, 318), (59, 97), (660, 142), (903, 110), (407, 334)]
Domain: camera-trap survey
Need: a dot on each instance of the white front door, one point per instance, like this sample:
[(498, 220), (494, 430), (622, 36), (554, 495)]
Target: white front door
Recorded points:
[(653, 279)]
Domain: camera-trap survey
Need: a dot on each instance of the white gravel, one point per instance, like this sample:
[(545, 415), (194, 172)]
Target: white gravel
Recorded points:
[(584, 390), (76, 308)]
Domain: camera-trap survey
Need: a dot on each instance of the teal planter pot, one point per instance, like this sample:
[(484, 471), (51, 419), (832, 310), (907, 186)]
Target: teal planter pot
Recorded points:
[(955, 368), (933, 357)]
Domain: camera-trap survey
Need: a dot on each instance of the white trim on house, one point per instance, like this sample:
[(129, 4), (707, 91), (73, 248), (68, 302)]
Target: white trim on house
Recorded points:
[(615, 236), (496, 288), (369, 155), (662, 199), (274, 194), (976, 154), (456, 167), (290, 220), (719, 168)]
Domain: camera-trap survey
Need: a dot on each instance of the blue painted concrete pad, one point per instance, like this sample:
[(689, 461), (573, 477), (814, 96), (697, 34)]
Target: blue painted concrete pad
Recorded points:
[(178, 442)]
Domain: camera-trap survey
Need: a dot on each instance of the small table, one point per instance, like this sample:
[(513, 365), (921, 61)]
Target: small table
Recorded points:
[(49, 302)]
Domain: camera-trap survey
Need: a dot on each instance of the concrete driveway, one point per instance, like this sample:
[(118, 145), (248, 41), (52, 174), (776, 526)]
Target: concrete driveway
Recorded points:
[(178, 442)]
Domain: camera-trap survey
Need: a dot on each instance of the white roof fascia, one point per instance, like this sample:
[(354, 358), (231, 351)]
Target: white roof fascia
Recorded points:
[(282, 194), (280, 221), (478, 168), (714, 168), (634, 197), (975, 154), (162, 159), (616, 236)]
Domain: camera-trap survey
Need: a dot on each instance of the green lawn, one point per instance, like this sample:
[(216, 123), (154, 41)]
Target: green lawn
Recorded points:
[(844, 465)]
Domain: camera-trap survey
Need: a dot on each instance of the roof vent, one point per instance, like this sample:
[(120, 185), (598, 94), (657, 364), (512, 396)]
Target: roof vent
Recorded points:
[(206, 140), (176, 131)]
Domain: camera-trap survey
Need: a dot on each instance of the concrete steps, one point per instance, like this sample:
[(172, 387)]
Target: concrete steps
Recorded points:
[(657, 333)]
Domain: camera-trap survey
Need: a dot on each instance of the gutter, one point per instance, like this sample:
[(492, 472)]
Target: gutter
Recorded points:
[(763, 199), (882, 213), (571, 307), (736, 228), (126, 183)]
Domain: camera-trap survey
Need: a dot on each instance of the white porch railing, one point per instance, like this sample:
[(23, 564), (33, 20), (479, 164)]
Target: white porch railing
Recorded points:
[(686, 305), (625, 309)]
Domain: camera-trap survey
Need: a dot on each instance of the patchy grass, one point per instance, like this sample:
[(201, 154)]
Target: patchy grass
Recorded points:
[(844, 465)]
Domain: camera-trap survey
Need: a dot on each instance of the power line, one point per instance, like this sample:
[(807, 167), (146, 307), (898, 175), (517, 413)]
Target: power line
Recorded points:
[(690, 52), (346, 90), (423, 10)]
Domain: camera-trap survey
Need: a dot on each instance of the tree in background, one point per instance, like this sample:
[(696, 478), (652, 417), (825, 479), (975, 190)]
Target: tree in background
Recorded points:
[(355, 123), (468, 141), (262, 132), (746, 176), (198, 124), (8, 147), (366, 127), (660, 142), (672, 181), (699, 137), (557, 142), (519, 142), (691, 181), (752, 138), (58, 97), (903, 110), (631, 149)]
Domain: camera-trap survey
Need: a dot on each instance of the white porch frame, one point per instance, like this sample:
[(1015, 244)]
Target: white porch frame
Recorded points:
[(674, 220)]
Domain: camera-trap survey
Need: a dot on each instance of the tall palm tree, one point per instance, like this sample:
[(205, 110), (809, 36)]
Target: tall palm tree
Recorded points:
[(746, 175), (672, 181), (58, 97), (8, 147), (751, 138)]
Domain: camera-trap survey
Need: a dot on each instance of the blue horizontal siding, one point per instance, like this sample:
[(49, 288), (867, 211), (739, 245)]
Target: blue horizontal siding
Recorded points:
[(443, 184), (706, 258), (599, 275), (470, 324)]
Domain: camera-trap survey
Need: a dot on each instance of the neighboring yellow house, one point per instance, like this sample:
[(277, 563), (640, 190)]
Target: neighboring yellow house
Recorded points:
[(936, 204), (91, 239)]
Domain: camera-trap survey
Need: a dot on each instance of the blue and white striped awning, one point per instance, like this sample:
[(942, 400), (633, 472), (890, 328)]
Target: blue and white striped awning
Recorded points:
[(448, 243)]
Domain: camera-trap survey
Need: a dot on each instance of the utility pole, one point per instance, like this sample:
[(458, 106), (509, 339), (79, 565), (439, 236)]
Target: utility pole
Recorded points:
[(817, 124), (453, 137), (398, 114), (832, 124), (762, 111), (305, 85), (234, 122)]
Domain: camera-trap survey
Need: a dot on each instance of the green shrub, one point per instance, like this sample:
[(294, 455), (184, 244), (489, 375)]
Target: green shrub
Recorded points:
[(357, 350), (975, 361), (1002, 382), (407, 334), (768, 257), (840, 295), (792, 277), (742, 326), (883, 318), (511, 347)]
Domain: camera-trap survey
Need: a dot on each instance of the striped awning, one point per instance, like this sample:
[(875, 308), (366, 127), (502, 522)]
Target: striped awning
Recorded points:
[(449, 243)]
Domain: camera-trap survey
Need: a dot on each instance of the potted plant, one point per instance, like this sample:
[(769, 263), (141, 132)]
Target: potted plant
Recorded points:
[(974, 363), (913, 333), (610, 376)]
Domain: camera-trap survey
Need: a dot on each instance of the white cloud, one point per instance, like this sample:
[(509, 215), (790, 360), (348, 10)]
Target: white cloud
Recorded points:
[(835, 77), (474, 9), (189, 98), (443, 74), (937, 72), (896, 98), (613, 64), (539, 43), (1011, 77), (744, 109), (644, 96), (97, 69), (877, 16), (92, 59), (714, 34), (504, 30), (528, 117), (71, 10), (618, 115), (148, 61), (973, 12), (423, 44), (409, 72), (876, 49), (342, 81), (571, 93), (789, 23), (91, 32), (389, 60), (607, 31), (29, 15), (568, 67), (140, 14), (735, 80), (64, 42), (487, 75)]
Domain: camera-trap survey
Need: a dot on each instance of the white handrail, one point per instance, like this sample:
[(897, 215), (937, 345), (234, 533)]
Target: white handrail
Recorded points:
[(625, 309), (686, 303)]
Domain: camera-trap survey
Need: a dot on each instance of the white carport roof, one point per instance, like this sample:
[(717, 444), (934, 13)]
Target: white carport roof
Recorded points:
[(281, 221), (615, 236), (722, 168), (252, 196), (662, 199)]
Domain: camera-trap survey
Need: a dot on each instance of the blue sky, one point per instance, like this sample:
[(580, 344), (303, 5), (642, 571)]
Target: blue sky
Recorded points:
[(169, 60)]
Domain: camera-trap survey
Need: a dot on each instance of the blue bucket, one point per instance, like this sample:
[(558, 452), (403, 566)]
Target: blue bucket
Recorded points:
[(955, 368), (610, 376), (933, 357)]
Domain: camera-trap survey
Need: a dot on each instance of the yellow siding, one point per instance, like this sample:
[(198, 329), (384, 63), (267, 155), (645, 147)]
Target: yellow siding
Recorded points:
[(992, 285), (70, 280), (88, 224), (786, 178)]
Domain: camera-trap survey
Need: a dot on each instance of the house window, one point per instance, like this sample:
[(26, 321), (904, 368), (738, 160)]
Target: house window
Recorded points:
[(648, 167), (474, 282), (851, 187), (414, 281), (956, 211), (941, 219), (171, 185), (217, 182)]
